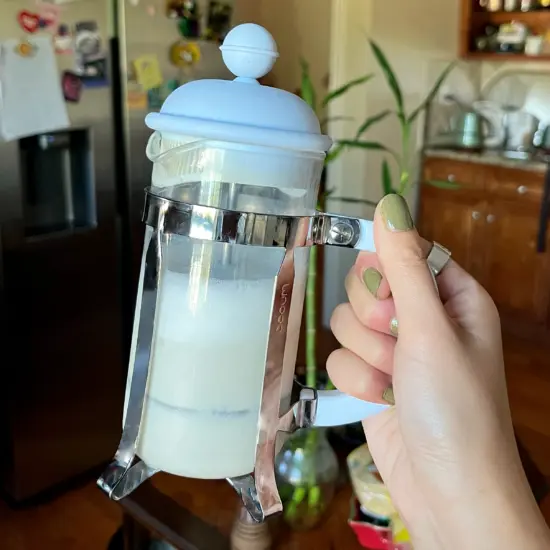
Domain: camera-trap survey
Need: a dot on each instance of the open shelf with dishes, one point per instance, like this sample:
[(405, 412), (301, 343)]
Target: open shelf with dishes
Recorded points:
[(491, 32)]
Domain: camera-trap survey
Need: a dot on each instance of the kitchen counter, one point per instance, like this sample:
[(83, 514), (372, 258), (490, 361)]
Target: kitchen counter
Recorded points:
[(493, 158)]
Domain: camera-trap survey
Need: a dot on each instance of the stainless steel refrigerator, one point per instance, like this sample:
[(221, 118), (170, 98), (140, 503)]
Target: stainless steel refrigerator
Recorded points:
[(70, 237)]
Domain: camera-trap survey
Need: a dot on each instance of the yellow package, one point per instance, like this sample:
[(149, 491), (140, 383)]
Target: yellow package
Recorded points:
[(371, 492)]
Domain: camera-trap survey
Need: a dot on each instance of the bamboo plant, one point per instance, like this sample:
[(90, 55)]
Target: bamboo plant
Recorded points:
[(309, 95), (402, 159), (310, 495)]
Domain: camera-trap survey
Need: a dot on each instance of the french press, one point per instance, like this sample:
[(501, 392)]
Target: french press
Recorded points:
[(230, 217)]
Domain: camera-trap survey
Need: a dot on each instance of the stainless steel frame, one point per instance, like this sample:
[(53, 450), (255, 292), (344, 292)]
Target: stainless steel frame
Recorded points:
[(257, 490)]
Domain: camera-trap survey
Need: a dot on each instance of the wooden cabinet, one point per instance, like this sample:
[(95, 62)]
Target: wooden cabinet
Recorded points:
[(455, 222), (491, 224), (516, 276), (459, 212)]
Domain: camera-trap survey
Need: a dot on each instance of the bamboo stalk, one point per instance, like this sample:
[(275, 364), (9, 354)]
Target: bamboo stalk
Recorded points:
[(311, 320)]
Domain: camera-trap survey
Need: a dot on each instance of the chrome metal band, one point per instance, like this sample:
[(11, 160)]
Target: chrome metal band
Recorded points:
[(226, 226), (246, 228)]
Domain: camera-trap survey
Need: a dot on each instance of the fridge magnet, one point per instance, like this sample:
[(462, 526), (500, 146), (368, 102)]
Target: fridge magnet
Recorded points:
[(185, 54), (188, 15), (88, 41), (28, 21), (171, 86), (91, 62), (147, 72), (157, 96), (175, 9), (137, 100), (63, 40), (154, 98), (26, 49), (48, 15), (189, 24), (219, 20), (94, 74), (72, 86)]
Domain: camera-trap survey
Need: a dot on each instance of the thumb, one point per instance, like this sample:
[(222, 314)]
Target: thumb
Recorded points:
[(402, 254)]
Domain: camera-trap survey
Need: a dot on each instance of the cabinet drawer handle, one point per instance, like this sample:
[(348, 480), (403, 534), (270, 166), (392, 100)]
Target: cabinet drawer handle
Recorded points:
[(476, 215), (522, 189), (451, 178), (491, 218)]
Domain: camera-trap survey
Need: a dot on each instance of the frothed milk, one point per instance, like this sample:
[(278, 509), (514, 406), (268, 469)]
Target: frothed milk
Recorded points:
[(206, 375)]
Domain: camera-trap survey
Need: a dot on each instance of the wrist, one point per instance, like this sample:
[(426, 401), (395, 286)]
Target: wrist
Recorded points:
[(496, 516)]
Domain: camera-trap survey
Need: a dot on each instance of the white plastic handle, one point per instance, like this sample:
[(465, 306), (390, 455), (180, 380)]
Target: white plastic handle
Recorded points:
[(366, 239), (335, 408)]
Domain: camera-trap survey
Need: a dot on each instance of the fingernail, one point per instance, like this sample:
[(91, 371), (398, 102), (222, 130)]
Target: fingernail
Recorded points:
[(395, 213), (388, 396), (394, 327), (372, 279)]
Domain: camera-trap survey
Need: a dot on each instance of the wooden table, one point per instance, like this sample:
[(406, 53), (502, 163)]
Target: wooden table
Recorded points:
[(198, 515)]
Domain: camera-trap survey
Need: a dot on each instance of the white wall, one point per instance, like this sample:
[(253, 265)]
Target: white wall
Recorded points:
[(419, 38), (246, 11), (301, 29)]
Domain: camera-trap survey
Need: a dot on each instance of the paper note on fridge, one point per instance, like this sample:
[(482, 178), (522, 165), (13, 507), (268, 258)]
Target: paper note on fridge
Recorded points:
[(31, 98), (148, 73)]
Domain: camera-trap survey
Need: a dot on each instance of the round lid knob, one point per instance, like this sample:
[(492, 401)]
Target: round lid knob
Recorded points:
[(249, 51), (242, 110)]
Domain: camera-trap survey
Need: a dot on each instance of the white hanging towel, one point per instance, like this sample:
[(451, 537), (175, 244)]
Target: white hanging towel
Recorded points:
[(31, 98)]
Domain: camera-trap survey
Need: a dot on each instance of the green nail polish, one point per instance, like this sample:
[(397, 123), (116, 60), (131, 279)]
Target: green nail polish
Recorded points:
[(372, 279), (394, 327), (395, 213), (388, 396)]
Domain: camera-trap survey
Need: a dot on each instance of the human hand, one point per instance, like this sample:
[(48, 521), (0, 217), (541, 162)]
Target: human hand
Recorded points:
[(446, 450)]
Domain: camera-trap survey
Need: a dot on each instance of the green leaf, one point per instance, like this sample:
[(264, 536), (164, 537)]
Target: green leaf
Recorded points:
[(358, 144), (370, 122), (386, 179), (442, 184), (345, 88), (307, 89), (326, 120), (334, 153), (434, 91), (391, 79), (351, 200)]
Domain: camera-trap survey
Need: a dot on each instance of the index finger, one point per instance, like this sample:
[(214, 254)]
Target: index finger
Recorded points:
[(364, 264)]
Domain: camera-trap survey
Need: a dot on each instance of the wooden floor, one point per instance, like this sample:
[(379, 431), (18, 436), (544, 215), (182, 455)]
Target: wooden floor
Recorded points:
[(84, 519)]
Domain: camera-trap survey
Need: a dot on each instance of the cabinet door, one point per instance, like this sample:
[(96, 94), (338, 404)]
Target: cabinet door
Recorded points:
[(455, 222), (516, 276)]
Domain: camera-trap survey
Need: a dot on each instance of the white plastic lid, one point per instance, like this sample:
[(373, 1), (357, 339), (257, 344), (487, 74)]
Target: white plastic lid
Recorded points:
[(242, 110)]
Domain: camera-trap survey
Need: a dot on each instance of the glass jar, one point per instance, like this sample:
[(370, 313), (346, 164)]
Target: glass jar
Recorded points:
[(494, 5), (527, 5), (307, 474)]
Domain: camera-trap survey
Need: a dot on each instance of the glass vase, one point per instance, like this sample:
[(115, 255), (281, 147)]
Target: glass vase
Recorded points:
[(307, 473)]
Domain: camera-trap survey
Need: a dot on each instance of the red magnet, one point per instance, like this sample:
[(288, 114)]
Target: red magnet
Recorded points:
[(30, 22), (72, 86)]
